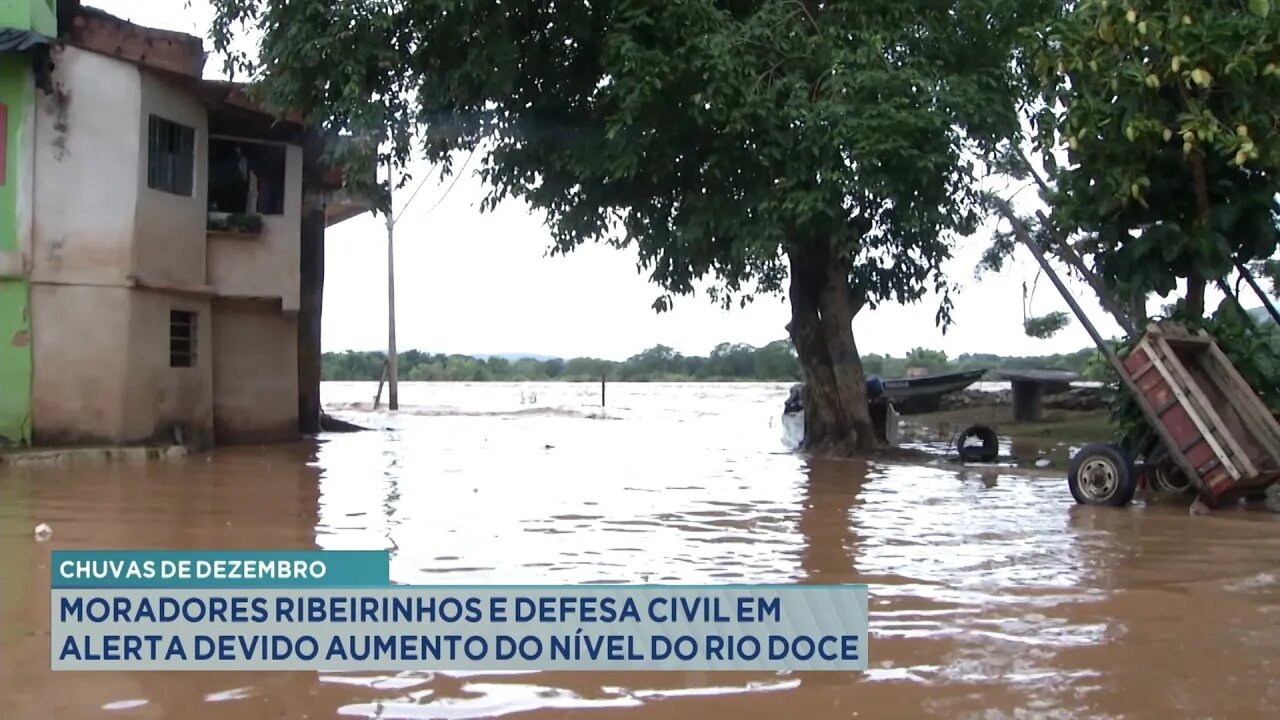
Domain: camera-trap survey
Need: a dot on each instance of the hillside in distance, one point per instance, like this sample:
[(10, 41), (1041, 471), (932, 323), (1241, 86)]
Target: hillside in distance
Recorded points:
[(775, 362), (513, 357)]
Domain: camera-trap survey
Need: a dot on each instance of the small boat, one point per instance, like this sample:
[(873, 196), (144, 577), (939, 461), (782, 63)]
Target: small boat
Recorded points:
[(908, 395), (913, 396), (900, 388)]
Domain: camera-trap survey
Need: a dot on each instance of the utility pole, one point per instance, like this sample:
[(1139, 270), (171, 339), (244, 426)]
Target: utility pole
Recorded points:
[(392, 367), (393, 395)]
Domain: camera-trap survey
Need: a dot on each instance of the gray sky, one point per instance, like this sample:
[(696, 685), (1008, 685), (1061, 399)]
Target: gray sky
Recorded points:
[(479, 283)]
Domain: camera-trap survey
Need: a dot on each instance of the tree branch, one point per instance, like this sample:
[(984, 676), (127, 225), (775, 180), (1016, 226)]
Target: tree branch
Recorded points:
[(804, 5)]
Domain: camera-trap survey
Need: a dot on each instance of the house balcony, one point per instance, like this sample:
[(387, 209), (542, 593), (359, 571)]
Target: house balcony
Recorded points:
[(255, 219)]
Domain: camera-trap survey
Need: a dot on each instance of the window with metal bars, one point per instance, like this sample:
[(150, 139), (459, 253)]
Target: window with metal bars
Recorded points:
[(182, 339), (171, 155)]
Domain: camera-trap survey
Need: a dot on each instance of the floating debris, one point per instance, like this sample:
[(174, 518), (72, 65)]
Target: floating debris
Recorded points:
[(1043, 463), (43, 532)]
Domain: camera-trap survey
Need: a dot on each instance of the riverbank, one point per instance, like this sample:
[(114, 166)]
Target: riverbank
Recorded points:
[(1067, 426)]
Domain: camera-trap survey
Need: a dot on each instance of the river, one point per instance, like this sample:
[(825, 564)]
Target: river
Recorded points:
[(992, 594)]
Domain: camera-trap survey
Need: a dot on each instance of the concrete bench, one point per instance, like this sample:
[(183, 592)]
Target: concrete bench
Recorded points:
[(1030, 387)]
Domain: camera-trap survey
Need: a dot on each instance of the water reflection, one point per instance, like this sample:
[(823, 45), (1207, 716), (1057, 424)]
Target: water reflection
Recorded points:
[(236, 500), (992, 595)]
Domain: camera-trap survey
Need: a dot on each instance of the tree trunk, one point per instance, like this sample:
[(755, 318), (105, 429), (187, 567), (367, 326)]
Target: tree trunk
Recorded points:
[(311, 288), (1195, 295), (836, 417), (311, 309), (1196, 281)]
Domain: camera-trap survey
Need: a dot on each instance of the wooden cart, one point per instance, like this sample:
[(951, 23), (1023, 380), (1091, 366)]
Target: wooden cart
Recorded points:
[(1210, 432)]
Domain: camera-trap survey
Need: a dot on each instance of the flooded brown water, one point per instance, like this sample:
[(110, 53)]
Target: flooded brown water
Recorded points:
[(992, 595)]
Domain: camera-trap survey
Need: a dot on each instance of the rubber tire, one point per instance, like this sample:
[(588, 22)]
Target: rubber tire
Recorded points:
[(1126, 483), (989, 451), (1160, 457)]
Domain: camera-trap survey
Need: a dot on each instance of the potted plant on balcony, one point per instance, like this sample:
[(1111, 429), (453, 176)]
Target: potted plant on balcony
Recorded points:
[(235, 223)]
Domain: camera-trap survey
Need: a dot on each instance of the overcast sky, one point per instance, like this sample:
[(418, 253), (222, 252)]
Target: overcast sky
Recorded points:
[(469, 282)]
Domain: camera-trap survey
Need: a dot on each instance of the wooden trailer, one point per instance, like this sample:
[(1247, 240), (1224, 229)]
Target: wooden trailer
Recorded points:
[(1212, 428), (1210, 432)]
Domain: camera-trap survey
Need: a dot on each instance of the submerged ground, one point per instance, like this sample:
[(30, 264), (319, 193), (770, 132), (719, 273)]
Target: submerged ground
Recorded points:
[(993, 595)]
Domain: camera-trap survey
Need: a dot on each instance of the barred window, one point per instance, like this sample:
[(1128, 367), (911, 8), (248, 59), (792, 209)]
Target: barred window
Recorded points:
[(182, 339), (171, 154)]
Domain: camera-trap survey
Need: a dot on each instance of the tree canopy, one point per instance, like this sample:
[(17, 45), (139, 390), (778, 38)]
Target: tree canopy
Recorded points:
[(1165, 111), (742, 143), (712, 135)]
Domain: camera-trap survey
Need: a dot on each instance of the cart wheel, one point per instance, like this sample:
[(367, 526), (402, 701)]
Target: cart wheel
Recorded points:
[(1102, 475), (1164, 475)]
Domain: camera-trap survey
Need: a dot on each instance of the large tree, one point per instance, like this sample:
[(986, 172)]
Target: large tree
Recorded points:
[(822, 149)]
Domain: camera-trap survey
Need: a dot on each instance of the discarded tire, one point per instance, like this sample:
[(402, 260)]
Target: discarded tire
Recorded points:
[(1102, 475), (987, 450)]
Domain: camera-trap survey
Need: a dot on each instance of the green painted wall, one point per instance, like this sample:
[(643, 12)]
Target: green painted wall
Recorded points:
[(38, 15), (17, 93), (15, 14)]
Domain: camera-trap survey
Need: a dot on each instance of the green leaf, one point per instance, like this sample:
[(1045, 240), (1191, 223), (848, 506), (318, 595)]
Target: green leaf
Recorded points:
[(1261, 8)]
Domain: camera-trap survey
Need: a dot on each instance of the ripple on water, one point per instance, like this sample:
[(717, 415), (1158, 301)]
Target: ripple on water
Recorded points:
[(992, 596)]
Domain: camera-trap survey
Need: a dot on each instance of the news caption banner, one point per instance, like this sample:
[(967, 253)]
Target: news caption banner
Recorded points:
[(338, 611)]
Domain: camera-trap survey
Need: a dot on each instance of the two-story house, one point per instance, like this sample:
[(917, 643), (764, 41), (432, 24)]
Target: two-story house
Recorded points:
[(161, 239)]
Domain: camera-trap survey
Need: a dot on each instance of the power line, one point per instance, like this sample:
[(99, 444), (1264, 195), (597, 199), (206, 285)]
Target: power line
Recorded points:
[(444, 197), (451, 184), (422, 182)]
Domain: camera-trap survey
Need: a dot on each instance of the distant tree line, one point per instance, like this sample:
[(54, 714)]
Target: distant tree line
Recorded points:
[(775, 362)]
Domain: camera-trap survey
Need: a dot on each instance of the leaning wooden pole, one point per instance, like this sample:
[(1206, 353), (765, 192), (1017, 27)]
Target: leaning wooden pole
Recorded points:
[(1104, 299), (1037, 252), (1073, 258), (1266, 301)]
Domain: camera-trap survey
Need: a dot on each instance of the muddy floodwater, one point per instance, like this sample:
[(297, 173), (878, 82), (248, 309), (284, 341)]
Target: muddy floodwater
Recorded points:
[(992, 594)]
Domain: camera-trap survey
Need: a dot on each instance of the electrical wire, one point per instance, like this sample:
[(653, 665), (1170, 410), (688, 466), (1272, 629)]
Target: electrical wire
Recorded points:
[(422, 182), (455, 182)]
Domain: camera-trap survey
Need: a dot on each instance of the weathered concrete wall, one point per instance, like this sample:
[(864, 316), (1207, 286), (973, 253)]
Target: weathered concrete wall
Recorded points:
[(169, 236), (83, 137), (265, 266), (255, 372), (80, 354), (86, 152), (158, 397)]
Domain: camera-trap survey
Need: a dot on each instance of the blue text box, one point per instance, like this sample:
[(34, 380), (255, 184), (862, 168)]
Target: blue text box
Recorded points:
[(220, 569), (590, 627)]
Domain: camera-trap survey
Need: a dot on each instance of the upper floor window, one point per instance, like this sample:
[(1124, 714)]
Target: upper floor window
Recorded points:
[(171, 154), (246, 177)]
